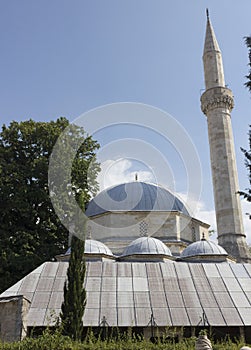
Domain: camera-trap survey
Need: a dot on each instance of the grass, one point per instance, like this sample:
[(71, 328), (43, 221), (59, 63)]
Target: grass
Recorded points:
[(55, 341)]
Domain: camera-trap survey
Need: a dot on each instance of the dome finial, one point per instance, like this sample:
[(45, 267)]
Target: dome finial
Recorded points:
[(207, 13), (136, 176), (89, 233), (203, 237)]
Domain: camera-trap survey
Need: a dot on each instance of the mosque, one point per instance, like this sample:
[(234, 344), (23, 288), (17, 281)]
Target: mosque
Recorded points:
[(150, 264)]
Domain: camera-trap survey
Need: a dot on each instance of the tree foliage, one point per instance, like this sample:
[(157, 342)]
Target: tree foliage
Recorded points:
[(247, 194), (248, 44), (30, 230)]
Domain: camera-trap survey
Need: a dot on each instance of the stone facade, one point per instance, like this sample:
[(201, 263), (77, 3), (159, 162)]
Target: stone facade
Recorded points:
[(118, 229), (13, 314)]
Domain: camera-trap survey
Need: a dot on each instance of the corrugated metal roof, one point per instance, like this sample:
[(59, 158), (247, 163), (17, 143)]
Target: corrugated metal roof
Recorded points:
[(135, 196), (127, 294)]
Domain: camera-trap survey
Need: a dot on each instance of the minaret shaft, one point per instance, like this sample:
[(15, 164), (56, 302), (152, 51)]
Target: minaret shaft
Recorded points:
[(217, 103)]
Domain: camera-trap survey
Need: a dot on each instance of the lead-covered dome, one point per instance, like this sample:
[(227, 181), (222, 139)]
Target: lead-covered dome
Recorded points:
[(146, 246), (94, 247), (135, 196), (203, 248)]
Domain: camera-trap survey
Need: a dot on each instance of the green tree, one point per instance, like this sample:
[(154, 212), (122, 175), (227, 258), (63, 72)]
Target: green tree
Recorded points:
[(73, 306), (30, 230), (248, 44), (247, 194)]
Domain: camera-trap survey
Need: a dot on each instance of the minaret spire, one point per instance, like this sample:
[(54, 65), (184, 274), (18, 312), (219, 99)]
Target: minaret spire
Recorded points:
[(217, 103), (213, 66)]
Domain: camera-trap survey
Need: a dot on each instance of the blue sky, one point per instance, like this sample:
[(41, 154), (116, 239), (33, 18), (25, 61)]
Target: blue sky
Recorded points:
[(63, 58)]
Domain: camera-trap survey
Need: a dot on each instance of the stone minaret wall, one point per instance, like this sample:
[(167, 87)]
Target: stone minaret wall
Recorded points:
[(217, 103)]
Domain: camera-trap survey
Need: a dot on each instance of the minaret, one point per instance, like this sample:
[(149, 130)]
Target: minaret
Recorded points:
[(217, 103)]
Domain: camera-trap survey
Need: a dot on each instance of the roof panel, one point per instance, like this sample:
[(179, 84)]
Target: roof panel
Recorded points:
[(124, 269), (232, 284), (171, 284), (223, 299), (139, 270), (36, 317), (50, 270), (182, 270), (45, 284), (155, 284), (29, 283), (51, 317), (191, 299), (197, 271), (248, 268), (201, 284), (125, 299), (179, 317), (142, 299), (239, 270), (207, 299), (109, 284), (91, 317), (108, 299), (187, 284), (217, 284), (110, 315), (158, 299), (143, 315), (56, 300), (41, 300), (124, 284), (62, 269), (194, 315), (225, 270), (161, 316), (109, 269), (58, 284), (245, 315), (245, 284), (168, 270), (174, 299), (93, 299), (93, 284), (211, 270), (240, 299), (214, 317), (126, 317), (231, 317), (140, 284), (95, 269), (153, 270)]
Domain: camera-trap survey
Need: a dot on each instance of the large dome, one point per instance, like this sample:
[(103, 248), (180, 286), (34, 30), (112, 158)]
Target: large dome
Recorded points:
[(135, 196), (147, 246)]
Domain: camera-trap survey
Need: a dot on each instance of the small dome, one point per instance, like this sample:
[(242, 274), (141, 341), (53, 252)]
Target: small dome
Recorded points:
[(135, 196), (94, 247), (146, 245), (203, 247)]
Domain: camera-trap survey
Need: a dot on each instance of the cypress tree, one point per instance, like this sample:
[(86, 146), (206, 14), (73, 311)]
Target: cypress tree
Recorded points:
[(73, 306)]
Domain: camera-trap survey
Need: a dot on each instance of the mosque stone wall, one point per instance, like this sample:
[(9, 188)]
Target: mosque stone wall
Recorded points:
[(118, 229), (13, 314)]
